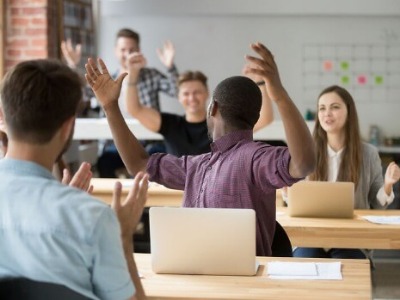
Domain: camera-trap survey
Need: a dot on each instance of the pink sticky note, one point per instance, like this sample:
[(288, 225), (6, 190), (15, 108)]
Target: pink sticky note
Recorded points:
[(362, 79), (328, 65)]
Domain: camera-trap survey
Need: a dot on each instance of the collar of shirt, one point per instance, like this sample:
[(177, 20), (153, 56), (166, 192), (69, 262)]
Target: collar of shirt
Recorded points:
[(334, 159), (225, 142), (333, 153), (25, 167)]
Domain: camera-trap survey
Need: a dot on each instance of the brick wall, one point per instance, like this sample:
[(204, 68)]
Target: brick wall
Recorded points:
[(31, 30)]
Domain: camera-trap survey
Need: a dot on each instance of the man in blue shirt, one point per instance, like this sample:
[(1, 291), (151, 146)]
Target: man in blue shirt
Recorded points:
[(51, 232)]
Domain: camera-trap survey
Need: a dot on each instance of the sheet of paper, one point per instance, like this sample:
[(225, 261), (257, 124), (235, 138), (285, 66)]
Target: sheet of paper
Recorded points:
[(293, 268), (290, 270), (391, 220)]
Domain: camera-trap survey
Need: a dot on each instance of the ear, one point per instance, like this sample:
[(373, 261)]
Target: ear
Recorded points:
[(2, 121), (66, 127), (213, 108)]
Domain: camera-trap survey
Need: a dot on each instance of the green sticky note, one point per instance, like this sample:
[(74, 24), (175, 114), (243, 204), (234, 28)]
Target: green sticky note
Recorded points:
[(345, 79), (378, 80), (344, 65)]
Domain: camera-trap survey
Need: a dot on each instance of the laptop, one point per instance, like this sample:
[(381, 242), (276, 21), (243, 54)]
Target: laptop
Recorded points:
[(321, 199), (207, 241)]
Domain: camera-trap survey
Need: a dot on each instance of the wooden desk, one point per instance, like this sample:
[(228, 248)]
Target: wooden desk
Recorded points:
[(98, 128), (341, 233), (157, 195), (356, 283)]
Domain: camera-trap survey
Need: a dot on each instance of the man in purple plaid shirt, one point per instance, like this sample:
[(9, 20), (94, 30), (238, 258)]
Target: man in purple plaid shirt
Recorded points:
[(238, 172)]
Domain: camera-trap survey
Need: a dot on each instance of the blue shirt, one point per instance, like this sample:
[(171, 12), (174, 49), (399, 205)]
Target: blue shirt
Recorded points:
[(54, 233)]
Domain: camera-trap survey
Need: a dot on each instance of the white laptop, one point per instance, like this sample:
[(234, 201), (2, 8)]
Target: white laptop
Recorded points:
[(321, 199), (209, 241)]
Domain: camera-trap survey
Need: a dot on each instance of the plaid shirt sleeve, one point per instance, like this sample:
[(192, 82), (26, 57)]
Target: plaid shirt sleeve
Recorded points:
[(152, 81)]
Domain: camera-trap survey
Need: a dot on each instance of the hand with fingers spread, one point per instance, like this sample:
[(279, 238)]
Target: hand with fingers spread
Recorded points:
[(266, 68), (104, 87), (72, 55), (81, 179), (130, 210), (166, 54)]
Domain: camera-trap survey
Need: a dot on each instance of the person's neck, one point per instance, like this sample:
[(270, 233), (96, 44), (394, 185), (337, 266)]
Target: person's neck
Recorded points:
[(220, 131), (195, 117), (42, 155), (336, 141)]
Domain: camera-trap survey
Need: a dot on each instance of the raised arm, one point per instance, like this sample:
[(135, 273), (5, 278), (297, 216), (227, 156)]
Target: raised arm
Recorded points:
[(266, 112), (72, 55), (298, 136), (107, 92), (168, 84), (147, 116)]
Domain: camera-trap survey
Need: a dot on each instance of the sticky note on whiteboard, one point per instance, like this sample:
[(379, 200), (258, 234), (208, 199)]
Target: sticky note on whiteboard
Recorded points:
[(328, 65), (345, 79), (378, 80), (344, 65), (361, 79)]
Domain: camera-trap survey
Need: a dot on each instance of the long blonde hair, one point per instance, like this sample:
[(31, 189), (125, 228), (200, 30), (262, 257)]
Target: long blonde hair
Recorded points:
[(350, 165)]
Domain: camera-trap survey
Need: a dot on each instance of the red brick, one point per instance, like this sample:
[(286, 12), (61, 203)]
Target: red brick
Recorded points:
[(36, 31), (27, 2), (39, 43), (14, 32), (39, 21), (20, 22), (14, 53), (32, 53), (34, 11), (15, 11), (15, 43)]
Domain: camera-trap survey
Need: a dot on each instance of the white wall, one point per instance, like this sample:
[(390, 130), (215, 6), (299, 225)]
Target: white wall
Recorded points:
[(214, 35)]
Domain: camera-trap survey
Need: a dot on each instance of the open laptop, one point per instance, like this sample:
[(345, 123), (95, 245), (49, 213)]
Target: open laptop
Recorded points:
[(321, 199), (209, 241)]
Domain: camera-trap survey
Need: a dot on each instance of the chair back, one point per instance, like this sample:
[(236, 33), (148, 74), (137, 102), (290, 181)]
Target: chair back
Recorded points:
[(23, 288), (281, 245)]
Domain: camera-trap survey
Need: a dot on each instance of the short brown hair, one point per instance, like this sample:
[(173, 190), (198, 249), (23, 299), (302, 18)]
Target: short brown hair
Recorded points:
[(129, 33), (191, 76), (37, 97)]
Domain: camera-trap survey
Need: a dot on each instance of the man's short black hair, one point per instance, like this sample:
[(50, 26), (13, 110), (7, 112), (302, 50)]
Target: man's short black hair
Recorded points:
[(239, 101), (37, 97)]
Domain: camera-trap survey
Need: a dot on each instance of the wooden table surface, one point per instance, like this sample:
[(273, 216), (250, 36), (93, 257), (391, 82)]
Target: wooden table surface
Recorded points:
[(356, 283), (157, 194), (341, 233)]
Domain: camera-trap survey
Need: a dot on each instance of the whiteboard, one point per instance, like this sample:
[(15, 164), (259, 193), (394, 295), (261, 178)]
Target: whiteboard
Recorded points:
[(307, 47)]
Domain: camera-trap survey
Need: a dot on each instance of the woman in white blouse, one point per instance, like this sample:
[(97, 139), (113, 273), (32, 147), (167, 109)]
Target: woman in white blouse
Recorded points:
[(342, 156)]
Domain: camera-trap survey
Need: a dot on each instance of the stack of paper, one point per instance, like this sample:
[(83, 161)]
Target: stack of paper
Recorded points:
[(304, 270)]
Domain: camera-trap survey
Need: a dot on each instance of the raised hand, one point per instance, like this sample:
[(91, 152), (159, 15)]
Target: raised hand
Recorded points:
[(104, 87), (266, 68), (255, 77), (135, 62), (166, 54), (81, 179), (392, 174), (130, 210), (72, 55)]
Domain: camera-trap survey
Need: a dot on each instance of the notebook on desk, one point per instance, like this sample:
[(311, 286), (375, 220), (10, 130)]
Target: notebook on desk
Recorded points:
[(320, 199), (209, 241)]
